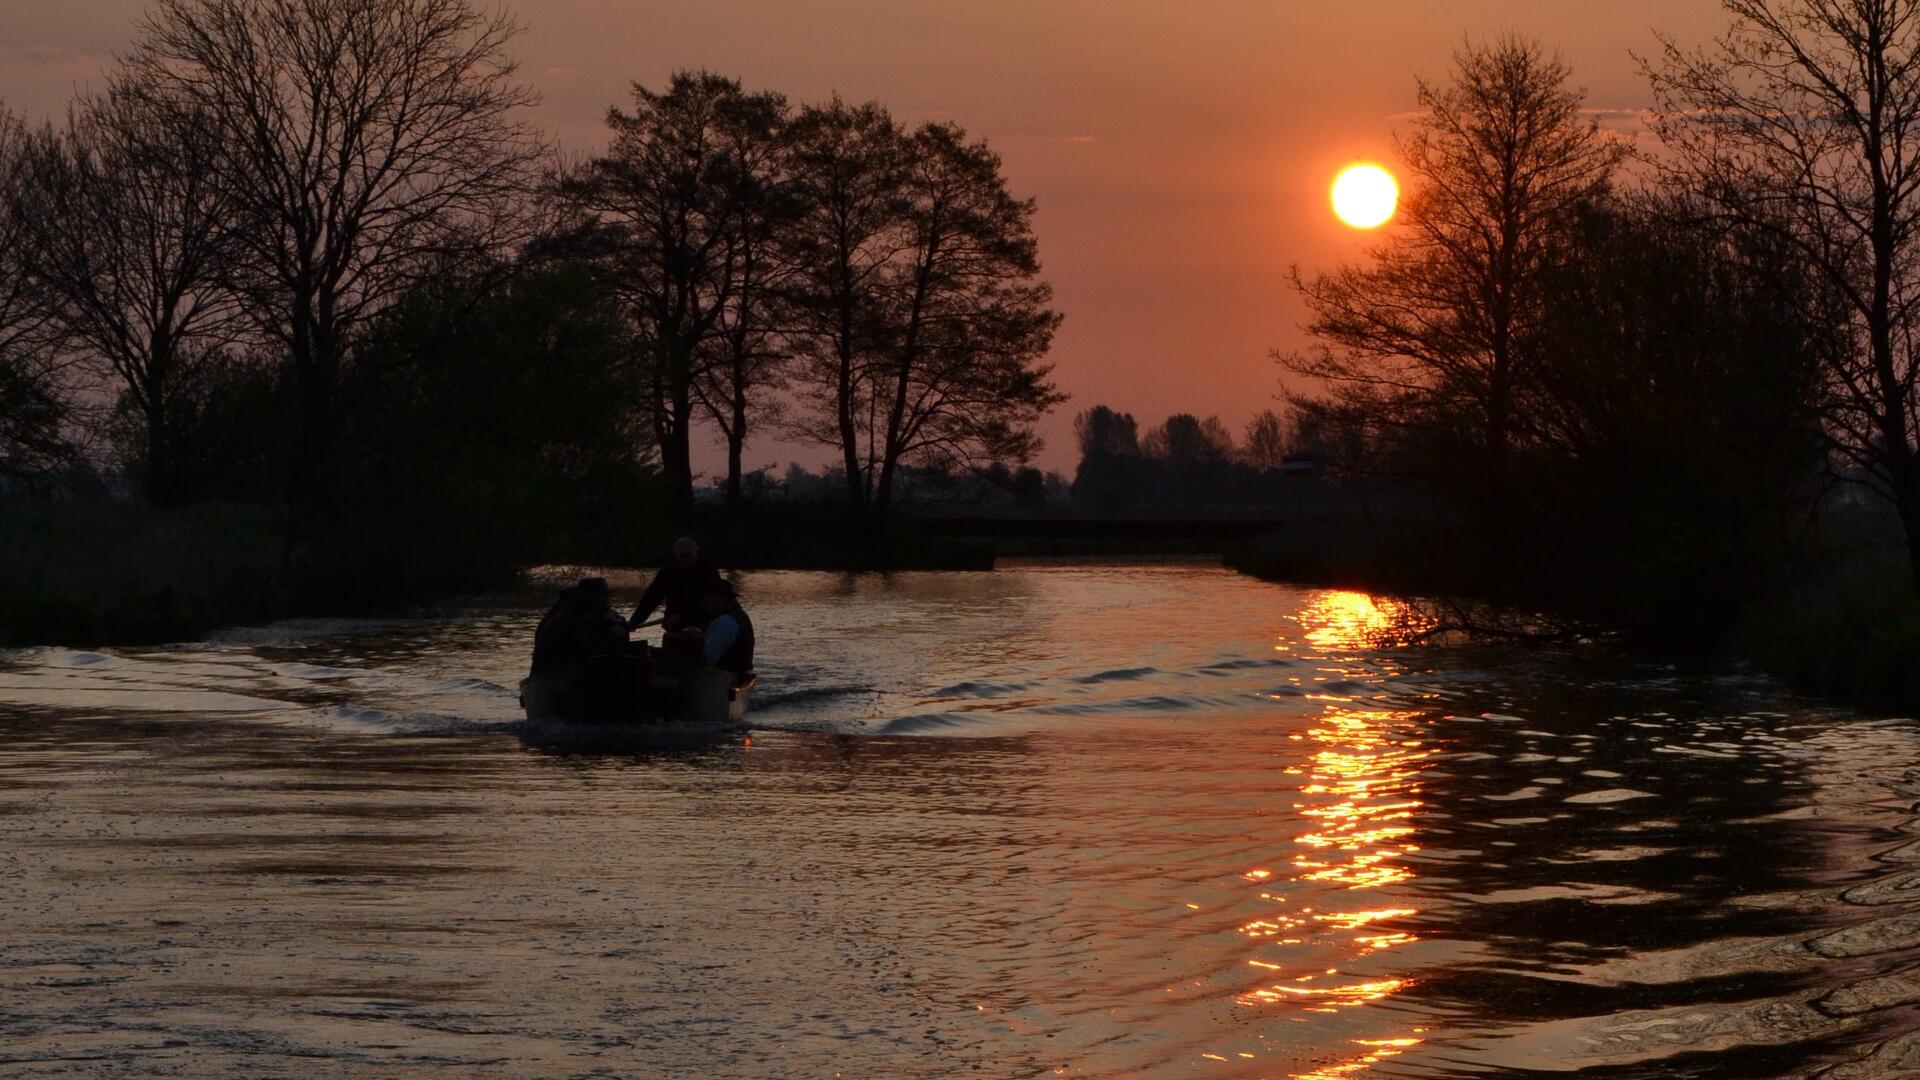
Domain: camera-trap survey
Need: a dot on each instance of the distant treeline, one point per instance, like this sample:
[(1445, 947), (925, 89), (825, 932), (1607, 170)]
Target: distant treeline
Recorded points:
[(1190, 462), (1671, 392), (311, 255)]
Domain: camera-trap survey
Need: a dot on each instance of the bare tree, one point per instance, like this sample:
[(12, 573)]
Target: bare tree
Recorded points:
[(745, 358), (1266, 443), (1804, 120), (848, 165), (128, 238), (679, 188), (924, 317), (968, 319), (33, 406), (1439, 330), (1186, 439), (363, 146)]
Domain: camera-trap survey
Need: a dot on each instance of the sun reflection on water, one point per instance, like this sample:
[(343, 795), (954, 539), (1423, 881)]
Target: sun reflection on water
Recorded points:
[(1343, 620), (1356, 803)]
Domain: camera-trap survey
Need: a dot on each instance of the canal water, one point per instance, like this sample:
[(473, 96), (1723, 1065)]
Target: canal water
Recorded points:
[(1115, 821)]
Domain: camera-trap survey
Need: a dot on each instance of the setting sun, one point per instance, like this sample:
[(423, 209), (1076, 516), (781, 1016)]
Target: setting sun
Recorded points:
[(1364, 196)]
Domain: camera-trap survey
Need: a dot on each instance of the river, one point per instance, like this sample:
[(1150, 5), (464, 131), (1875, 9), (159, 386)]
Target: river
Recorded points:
[(1157, 821)]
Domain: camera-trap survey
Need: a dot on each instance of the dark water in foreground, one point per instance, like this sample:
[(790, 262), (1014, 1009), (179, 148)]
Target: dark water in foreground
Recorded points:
[(1079, 821)]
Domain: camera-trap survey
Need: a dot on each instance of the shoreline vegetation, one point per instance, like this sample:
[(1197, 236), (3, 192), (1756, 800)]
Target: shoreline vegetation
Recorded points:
[(92, 573), (1844, 627), (99, 572)]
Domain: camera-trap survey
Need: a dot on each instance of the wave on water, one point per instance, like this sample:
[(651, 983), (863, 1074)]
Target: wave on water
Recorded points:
[(1114, 675), (360, 717), (981, 689), (298, 670), (1155, 703), (1245, 663), (808, 695), (927, 723)]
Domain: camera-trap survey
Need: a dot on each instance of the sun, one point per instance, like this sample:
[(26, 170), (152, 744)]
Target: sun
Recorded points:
[(1364, 196)]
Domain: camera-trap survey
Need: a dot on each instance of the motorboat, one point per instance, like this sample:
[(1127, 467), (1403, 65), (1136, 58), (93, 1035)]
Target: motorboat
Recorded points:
[(643, 688)]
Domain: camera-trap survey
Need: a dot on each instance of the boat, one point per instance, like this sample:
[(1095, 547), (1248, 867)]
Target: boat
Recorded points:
[(640, 690)]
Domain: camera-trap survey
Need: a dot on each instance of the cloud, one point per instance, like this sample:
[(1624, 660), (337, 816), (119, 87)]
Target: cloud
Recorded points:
[(1053, 140)]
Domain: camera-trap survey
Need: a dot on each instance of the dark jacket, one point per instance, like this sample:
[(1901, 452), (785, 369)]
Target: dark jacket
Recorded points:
[(683, 592), (574, 628)]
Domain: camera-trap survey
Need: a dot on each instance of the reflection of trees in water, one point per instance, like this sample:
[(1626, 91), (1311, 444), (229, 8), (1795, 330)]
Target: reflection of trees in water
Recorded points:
[(1627, 902)]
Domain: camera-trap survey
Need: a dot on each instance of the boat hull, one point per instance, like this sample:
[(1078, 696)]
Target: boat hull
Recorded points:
[(634, 692)]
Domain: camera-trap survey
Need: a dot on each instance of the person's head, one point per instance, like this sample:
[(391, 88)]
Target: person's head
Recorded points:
[(686, 552), (592, 591), (719, 599)]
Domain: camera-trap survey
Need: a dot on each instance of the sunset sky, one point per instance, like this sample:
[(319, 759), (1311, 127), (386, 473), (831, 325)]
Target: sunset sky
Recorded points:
[(1180, 153)]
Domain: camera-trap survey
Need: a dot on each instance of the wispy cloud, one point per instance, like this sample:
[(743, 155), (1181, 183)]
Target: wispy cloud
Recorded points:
[(1053, 140)]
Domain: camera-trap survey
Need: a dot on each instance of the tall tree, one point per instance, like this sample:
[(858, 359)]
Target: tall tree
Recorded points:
[(925, 318), (1184, 438), (746, 356), (968, 319), (1102, 431), (1804, 120), (32, 405), (1266, 443), (848, 165), (128, 235), (682, 188), (1440, 329), (363, 146)]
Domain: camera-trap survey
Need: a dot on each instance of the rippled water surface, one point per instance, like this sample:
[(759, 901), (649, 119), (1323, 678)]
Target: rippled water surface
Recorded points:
[(1084, 821)]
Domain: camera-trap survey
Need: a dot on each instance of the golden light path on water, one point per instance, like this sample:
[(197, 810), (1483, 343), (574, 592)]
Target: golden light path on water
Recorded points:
[(1358, 796)]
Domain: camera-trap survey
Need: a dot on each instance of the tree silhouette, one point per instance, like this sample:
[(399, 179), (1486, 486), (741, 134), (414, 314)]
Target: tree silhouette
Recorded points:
[(1186, 439), (1804, 120), (130, 237), (685, 188), (919, 317), (32, 402), (1102, 431), (1266, 442), (1438, 331), (847, 166), (362, 146), (967, 319)]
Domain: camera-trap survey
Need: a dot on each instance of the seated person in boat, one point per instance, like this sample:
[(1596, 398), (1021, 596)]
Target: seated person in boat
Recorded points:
[(680, 585), (581, 624), (727, 640)]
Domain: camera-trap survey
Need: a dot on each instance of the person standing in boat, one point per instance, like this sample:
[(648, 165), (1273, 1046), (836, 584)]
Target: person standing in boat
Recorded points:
[(681, 585), (727, 641)]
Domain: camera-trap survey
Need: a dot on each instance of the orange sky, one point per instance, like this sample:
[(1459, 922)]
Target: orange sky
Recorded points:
[(1180, 153)]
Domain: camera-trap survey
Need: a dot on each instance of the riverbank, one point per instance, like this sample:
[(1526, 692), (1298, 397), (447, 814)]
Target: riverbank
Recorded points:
[(1841, 621), (95, 572), (89, 573)]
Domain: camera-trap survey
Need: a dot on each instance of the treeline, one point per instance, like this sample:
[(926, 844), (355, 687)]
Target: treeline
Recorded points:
[(311, 255), (1632, 381), (1190, 462)]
